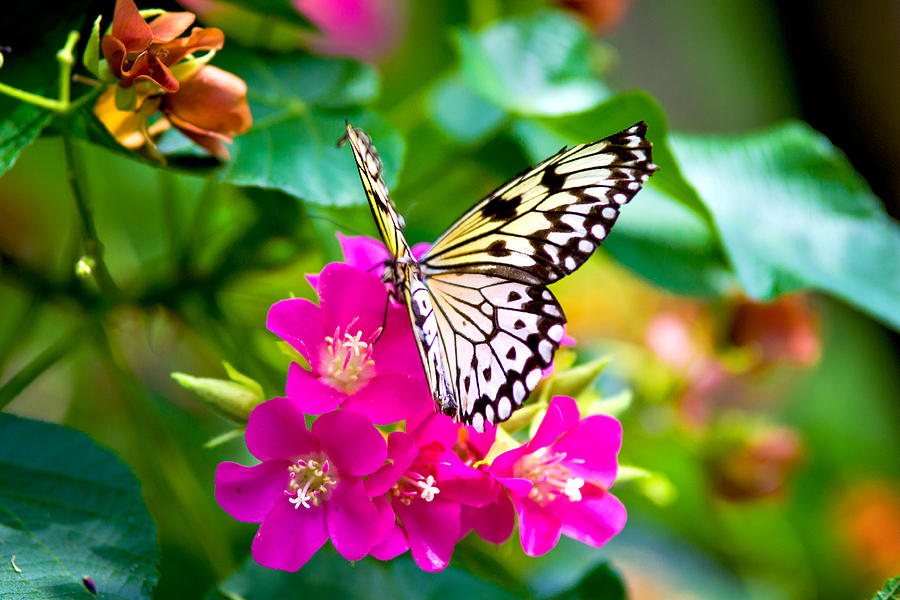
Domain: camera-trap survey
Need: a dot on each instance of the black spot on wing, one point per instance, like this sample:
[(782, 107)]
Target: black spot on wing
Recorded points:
[(500, 208)]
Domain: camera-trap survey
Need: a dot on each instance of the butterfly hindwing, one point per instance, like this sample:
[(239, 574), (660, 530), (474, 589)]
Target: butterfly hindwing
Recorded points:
[(502, 334), (545, 223)]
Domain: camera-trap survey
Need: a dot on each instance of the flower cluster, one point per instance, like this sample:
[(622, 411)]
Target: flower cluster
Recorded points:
[(156, 71), (428, 482)]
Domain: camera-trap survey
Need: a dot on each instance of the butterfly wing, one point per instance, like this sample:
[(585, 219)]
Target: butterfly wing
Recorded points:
[(545, 223), (368, 163), (487, 273)]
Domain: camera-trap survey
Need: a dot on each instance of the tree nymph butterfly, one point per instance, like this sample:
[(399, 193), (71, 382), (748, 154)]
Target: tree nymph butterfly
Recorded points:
[(484, 321)]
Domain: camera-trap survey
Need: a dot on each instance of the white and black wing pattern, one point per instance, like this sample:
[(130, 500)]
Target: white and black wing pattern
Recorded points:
[(546, 222), (499, 335)]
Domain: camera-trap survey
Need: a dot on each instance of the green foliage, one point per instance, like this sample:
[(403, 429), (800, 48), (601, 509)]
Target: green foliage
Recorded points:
[(69, 510), (537, 64), (793, 214), (329, 575), (890, 591), (601, 583), (300, 108)]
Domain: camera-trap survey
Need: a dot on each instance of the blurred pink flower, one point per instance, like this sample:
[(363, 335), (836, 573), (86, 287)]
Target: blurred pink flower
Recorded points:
[(559, 480), (421, 491), (308, 487), (783, 331), (355, 360), (362, 29)]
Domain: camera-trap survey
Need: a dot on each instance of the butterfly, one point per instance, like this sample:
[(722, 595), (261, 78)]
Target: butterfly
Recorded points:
[(485, 324)]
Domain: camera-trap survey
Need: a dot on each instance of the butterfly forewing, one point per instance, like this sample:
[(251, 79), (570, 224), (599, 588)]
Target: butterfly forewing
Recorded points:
[(485, 324), (546, 222)]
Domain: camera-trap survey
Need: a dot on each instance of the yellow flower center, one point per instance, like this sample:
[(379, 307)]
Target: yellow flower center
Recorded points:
[(550, 477), (347, 361), (310, 482)]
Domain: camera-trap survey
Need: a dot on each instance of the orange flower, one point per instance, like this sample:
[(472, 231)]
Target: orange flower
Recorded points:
[(137, 50), (758, 466), (209, 108)]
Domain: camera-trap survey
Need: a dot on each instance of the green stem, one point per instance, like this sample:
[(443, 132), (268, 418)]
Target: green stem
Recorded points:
[(92, 245), (66, 60), (63, 104), (38, 365)]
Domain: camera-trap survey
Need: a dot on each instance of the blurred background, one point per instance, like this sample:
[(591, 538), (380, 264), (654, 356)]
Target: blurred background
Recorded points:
[(770, 431)]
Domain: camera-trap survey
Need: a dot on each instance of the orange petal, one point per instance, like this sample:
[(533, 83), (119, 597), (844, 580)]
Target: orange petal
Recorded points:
[(130, 28), (212, 101), (201, 38), (157, 72), (168, 26), (114, 53)]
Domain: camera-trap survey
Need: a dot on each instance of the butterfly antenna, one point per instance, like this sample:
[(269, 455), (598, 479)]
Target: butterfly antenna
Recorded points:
[(335, 223)]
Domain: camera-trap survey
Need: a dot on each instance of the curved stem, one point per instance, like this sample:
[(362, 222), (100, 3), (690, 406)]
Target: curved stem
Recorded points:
[(93, 248), (38, 365)]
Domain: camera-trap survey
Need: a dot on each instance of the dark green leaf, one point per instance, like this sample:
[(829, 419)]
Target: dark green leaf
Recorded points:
[(601, 583), (300, 105), (792, 213), (890, 591), (19, 126), (538, 64), (297, 154), (69, 510), (329, 575)]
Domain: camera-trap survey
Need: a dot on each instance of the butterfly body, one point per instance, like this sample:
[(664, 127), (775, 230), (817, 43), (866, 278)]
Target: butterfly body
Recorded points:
[(485, 324)]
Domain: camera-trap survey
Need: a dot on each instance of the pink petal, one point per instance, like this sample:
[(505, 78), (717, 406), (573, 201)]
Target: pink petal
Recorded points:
[(494, 522), (539, 529), (595, 443), (364, 253), (386, 519), (300, 323), (312, 394), (463, 484), (562, 415), (277, 430), (432, 529), (289, 536), (419, 249), (390, 398), (479, 444), (396, 350), (436, 428), (593, 521), (249, 493), (351, 442), (401, 451), (346, 294), (391, 546), (517, 486), (352, 519)]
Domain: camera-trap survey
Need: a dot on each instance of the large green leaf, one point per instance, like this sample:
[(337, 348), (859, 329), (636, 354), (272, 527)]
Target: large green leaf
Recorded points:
[(300, 105), (537, 64), (327, 575), (20, 124), (792, 213), (601, 582), (69, 511)]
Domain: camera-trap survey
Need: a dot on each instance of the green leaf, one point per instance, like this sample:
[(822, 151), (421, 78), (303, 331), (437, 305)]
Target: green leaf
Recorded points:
[(460, 113), (69, 510), (327, 575), (300, 105), (602, 582), (792, 213), (91, 56), (537, 64), (281, 9), (297, 154), (890, 591)]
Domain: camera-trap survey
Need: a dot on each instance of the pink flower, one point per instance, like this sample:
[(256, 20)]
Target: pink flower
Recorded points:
[(308, 486), (359, 347), (559, 480), (494, 522), (420, 493), (362, 29)]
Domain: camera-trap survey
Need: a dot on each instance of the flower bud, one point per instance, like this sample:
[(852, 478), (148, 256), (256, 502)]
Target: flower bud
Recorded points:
[(233, 398)]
